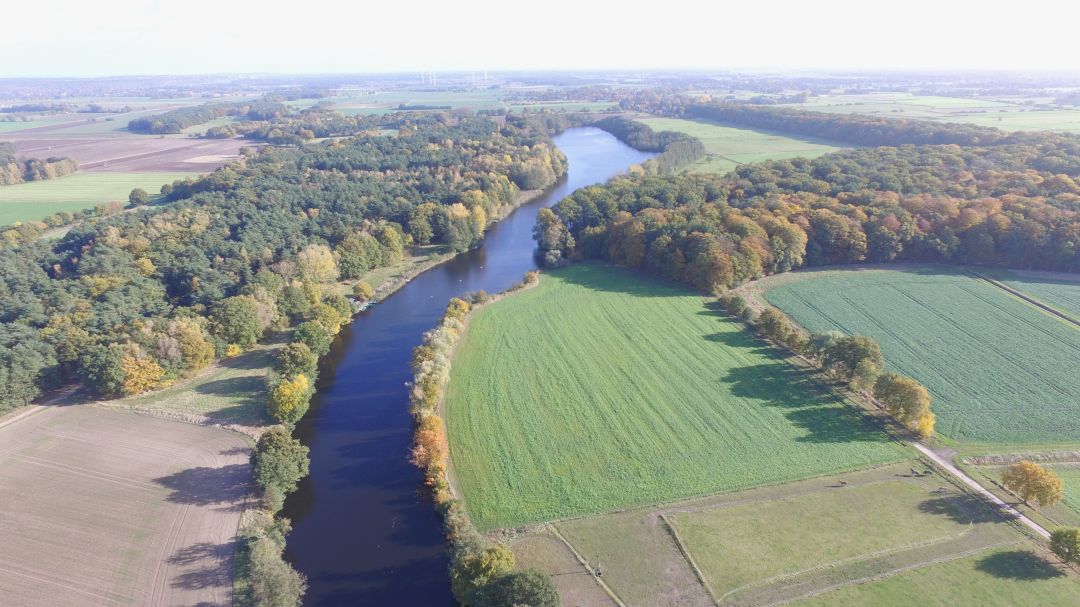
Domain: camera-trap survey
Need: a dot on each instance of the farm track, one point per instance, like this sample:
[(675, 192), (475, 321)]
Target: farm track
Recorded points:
[(1027, 298)]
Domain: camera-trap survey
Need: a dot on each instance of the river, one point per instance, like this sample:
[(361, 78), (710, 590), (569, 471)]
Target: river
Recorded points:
[(365, 531)]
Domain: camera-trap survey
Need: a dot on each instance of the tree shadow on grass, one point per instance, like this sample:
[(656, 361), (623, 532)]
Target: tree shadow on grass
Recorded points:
[(248, 392), (603, 276), (1018, 565), (203, 486), (806, 403), (214, 571), (963, 509)]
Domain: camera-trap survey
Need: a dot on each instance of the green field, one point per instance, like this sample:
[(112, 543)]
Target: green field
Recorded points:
[(999, 369), (1007, 113), (34, 200), (1007, 577), (601, 389), (877, 527), (727, 147)]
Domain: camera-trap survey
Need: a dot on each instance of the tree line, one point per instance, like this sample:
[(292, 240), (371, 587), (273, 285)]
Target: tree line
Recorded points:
[(675, 150), (175, 121), (15, 170)]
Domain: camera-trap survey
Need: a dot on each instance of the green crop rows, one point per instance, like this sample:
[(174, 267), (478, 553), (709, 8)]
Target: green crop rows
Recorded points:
[(999, 369)]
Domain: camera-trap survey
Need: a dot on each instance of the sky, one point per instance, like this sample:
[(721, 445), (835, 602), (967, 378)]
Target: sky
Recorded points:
[(127, 37)]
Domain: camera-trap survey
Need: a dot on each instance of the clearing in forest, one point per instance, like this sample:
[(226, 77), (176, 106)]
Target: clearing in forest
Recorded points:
[(1000, 369), (83, 190), (601, 389), (727, 147)]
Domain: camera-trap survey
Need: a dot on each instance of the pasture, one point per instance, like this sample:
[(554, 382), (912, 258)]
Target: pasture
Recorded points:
[(999, 369), (727, 147), (104, 507), (1007, 113), (83, 190), (769, 545), (1006, 577), (607, 389)]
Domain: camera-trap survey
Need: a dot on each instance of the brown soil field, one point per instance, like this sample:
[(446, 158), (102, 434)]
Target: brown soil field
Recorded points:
[(131, 153), (102, 507)]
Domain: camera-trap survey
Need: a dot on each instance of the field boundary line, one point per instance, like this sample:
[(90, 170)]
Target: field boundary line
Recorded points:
[(859, 558), (1026, 298), (585, 564), (689, 559)]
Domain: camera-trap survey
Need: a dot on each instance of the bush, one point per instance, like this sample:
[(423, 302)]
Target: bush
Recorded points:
[(315, 336), (279, 462), (530, 587), (274, 583)]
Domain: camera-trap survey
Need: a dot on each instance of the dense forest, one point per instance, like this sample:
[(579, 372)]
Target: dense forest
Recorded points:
[(1013, 204), (15, 170), (130, 302)]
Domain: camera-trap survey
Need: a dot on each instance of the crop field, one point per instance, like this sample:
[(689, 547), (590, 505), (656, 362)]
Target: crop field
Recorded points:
[(1007, 113), (771, 544), (606, 390), (1000, 370), (1006, 577), (34, 200), (727, 147), (105, 507)]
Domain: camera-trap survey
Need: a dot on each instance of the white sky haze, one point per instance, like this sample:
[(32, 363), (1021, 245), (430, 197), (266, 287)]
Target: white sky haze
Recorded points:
[(110, 37)]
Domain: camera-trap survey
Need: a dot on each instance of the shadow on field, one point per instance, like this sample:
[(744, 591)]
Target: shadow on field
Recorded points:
[(209, 486), (1018, 565), (963, 509), (806, 404), (215, 570), (601, 276)]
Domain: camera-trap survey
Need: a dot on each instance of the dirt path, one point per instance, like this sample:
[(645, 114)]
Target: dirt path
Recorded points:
[(970, 482)]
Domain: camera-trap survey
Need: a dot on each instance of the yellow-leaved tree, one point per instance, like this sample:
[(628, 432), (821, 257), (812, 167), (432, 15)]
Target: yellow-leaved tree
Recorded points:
[(1033, 482), (288, 399)]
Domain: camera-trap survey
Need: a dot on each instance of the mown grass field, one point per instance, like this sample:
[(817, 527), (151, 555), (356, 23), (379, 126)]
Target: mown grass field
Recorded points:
[(747, 547), (34, 200), (601, 389), (1000, 370), (1007, 113), (770, 545), (1007, 577), (727, 146)]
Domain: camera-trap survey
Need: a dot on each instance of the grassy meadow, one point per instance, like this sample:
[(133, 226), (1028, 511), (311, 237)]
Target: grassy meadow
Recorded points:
[(1059, 291), (1000, 370), (34, 200), (1006, 577), (727, 147), (1007, 113), (601, 389)]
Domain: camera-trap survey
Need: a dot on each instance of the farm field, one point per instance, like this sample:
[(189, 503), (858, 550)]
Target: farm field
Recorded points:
[(1007, 113), (771, 544), (727, 147), (1006, 577), (607, 389), (34, 200), (104, 507), (1000, 370)]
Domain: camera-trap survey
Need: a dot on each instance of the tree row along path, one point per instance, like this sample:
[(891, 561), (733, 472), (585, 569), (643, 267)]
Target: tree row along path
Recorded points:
[(970, 482)]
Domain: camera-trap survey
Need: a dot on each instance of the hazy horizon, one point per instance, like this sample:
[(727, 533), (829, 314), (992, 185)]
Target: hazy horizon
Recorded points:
[(135, 37)]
